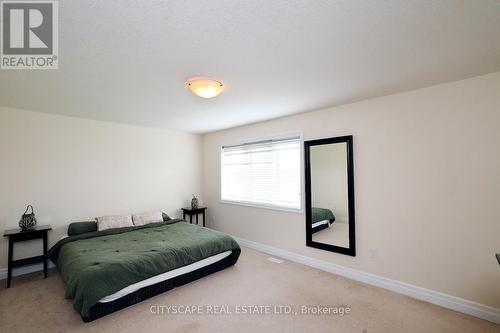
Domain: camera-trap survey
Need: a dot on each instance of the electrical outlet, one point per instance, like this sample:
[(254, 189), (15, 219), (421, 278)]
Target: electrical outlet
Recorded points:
[(373, 254)]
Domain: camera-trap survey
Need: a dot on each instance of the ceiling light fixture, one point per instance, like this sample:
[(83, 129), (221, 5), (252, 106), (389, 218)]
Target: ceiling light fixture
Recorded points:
[(206, 88)]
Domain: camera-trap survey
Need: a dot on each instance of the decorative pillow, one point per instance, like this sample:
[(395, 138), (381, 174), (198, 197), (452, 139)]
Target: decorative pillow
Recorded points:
[(77, 228), (114, 221), (146, 218)]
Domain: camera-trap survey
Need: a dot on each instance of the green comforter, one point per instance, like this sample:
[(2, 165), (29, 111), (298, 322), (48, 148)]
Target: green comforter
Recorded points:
[(98, 264), (321, 214)]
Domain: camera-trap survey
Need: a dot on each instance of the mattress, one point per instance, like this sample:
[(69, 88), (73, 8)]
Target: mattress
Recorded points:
[(165, 276)]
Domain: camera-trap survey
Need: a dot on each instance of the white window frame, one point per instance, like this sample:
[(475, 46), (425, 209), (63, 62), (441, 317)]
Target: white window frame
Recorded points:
[(299, 210)]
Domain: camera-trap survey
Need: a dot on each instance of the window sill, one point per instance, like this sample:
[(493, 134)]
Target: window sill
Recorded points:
[(254, 205)]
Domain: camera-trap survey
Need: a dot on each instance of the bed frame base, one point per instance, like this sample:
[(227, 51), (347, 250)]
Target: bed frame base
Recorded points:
[(322, 226), (102, 309)]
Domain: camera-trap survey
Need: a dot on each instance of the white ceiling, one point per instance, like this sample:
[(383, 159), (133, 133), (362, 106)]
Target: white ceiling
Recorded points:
[(127, 61)]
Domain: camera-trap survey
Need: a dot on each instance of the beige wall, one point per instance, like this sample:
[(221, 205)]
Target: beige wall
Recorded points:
[(73, 169), (329, 179), (427, 186)]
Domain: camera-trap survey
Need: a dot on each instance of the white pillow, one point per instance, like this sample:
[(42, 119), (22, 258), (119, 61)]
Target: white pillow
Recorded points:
[(148, 217), (114, 221)]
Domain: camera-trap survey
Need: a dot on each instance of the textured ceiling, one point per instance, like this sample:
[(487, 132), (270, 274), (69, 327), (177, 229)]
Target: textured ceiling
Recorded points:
[(127, 61)]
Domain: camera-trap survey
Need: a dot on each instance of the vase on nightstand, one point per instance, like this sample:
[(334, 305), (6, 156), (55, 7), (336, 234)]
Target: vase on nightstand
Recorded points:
[(194, 203)]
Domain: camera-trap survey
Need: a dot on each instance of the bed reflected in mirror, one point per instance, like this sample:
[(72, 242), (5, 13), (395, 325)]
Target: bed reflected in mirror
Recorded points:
[(329, 195)]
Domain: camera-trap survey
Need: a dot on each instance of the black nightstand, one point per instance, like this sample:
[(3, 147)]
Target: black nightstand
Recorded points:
[(191, 212), (16, 235)]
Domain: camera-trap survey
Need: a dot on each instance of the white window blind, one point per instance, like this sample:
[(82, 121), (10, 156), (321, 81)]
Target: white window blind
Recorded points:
[(264, 173)]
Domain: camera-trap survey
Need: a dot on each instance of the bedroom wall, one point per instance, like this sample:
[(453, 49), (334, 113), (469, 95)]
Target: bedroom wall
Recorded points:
[(427, 186), (73, 169)]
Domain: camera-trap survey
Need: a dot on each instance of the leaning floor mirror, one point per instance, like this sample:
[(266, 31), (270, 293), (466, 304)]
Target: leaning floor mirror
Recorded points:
[(329, 181)]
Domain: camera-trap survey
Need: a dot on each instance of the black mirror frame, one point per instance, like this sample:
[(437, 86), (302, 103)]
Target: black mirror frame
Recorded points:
[(351, 250)]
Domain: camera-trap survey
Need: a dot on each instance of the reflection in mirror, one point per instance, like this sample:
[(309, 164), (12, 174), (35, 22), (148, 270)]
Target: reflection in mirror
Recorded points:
[(330, 218), (329, 195)]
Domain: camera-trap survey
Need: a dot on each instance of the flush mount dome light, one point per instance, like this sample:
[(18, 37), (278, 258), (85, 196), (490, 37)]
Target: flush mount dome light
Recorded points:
[(206, 88)]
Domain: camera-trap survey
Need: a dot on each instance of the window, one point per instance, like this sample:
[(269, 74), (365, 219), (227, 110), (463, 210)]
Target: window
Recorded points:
[(264, 173)]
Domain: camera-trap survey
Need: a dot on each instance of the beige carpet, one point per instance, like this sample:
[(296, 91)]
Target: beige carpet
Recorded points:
[(34, 304)]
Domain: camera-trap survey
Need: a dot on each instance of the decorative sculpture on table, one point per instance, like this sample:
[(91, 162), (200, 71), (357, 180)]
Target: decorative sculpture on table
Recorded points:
[(28, 220), (194, 202)]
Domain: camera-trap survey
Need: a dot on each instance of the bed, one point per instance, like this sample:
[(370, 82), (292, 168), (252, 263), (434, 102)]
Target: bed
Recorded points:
[(321, 219), (108, 270)]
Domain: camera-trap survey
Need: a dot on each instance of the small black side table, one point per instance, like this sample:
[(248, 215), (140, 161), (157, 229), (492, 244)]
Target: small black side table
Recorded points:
[(17, 235), (191, 212)]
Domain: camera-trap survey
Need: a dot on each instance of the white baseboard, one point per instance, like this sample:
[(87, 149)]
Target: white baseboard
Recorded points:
[(447, 301), (24, 270)]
